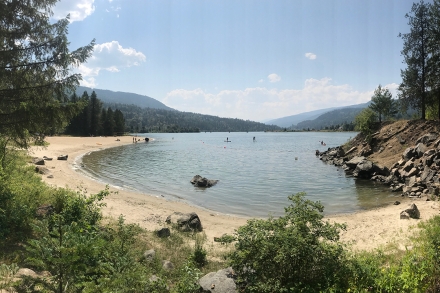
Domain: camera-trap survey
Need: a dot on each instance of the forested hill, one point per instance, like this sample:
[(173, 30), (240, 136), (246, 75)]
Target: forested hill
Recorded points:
[(331, 119), (107, 96), (139, 119)]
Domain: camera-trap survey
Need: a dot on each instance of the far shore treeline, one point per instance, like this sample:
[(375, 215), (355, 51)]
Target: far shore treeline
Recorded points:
[(100, 118)]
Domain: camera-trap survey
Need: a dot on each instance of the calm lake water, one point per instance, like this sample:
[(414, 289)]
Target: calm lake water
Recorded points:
[(255, 178)]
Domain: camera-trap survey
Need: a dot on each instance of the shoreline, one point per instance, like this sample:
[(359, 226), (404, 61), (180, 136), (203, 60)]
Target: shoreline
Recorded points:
[(365, 229)]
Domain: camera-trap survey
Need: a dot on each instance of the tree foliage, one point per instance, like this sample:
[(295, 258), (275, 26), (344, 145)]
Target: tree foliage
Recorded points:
[(414, 86), (364, 122), (94, 119), (35, 65), (382, 103), (298, 252)]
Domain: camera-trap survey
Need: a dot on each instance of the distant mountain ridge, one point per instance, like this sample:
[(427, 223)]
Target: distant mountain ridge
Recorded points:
[(108, 96), (293, 120), (332, 118)]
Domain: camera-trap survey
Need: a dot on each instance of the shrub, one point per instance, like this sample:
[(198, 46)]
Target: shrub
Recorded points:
[(364, 122), (297, 252), (21, 192)]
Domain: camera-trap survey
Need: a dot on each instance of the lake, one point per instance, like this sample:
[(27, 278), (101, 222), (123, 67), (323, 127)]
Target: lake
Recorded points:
[(255, 177)]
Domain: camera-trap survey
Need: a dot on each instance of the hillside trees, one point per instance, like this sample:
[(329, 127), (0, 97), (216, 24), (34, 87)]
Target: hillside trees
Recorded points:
[(414, 86), (382, 103), (94, 119), (35, 76)]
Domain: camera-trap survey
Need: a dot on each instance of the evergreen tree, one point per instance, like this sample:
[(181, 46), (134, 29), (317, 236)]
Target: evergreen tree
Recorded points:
[(414, 86), (95, 106), (119, 121), (85, 115), (74, 126), (109, 122), (434, 50), (35, 64), (103, 119), (382, 103)]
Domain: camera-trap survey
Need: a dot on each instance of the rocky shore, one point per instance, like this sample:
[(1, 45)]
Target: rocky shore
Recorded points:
[(415, 173)]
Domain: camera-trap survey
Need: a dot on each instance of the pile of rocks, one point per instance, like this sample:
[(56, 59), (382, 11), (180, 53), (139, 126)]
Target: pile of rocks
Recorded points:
[(415, 174)]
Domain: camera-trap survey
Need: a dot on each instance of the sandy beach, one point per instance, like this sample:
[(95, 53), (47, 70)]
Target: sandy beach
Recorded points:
[(365, 230)]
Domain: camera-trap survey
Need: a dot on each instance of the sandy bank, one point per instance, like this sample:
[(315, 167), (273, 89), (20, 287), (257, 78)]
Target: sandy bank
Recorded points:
[(366, 230)]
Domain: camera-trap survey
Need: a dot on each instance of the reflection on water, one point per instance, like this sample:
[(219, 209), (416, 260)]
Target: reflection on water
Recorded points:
[(255, 178)]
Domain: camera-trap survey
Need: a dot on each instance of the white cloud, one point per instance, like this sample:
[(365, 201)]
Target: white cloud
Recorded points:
[(261, 103), (261, 80), (310, 56), (111, 57), (78, 9), (274, 77)]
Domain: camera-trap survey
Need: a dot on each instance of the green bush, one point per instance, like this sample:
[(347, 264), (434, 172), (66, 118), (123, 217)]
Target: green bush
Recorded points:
[(364, 122), (199, 254), (21, 192), (81, 254), (297, 252)]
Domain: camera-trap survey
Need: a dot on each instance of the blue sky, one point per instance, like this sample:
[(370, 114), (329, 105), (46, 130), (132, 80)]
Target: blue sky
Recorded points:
[(253, 60)]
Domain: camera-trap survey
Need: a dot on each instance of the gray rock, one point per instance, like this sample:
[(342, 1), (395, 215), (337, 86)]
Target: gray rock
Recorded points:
[(24, 272), (63, 157), (354, 162), (411, 181), (427, 174), (396, 188), (428, 138), (408, 154), (412, 172), (404, 215), (42, 170), (164, 232), (364, 169), (221, 281), (408, 166), (412, 212), (200, 181), (38, 161), (420, 149), (149, 255), (167, 265), (185, 222)]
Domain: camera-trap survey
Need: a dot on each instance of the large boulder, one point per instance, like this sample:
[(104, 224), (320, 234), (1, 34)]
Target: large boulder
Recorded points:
[(420, 149), (408, 154), (412, 212), (38, 161), (163, 233), (354, 162), (185, 222), (427, 174), (364, 169), (221, 281), (42, 170), (428, 138), (200, 181)]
